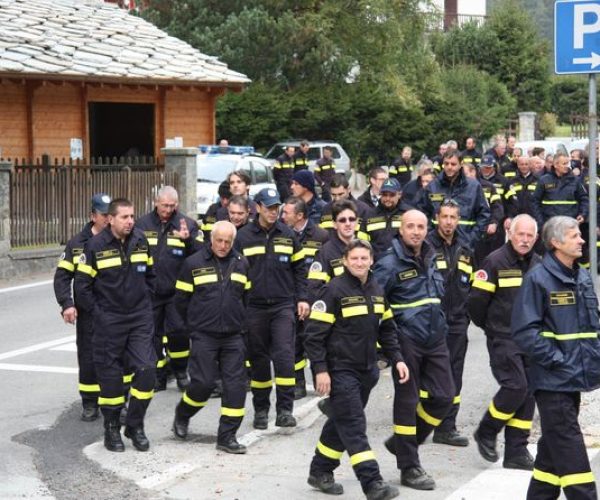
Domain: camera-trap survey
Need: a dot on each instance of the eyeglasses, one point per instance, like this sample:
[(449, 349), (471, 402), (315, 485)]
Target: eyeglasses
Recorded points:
[(449, 202), (343, 220)]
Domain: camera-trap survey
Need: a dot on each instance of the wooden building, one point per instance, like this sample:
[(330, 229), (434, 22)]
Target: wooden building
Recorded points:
[(87, 72)]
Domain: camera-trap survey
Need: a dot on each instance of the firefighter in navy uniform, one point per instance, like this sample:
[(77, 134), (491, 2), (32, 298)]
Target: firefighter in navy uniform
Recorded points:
[(115, 279), (72, 312), (491, 301), (278, 276), (211, 214), (350, 316), (470, 155), (523, 184), (172, 237), (402, 168), (555, 322), (211, 291), (324, 171), (283, 169), (414, 288), (311, 238), (301, 157), (454, 260)]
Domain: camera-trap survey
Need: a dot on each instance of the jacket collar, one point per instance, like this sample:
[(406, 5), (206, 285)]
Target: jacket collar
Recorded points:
[(559, 270)]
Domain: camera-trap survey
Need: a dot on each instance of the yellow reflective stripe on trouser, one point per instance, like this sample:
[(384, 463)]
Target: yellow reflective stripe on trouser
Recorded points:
[(321, 316), (182, 285), (285, 381), (232, 412), (329, 452), (196, 404), (178, 354), (519, 424), (417, 303), (569, 336), (65, 264), (257, 384), (456, 400), (128, 378), (363, 456), (300, 365), (484, 285), (431, 420), (405, 430), (497, 414), (141, 394), (161, 363), (89, 387), (546, 477), (423, 394), (574, 479), (120, 400)]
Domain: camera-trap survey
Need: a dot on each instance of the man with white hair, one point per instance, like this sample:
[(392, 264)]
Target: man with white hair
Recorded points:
[(491, 301)]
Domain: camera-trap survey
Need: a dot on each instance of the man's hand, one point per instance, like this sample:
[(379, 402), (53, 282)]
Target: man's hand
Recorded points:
[(491, 229), (402, 371), (303, 310), (324, 383), (70, 315), (184, 232)]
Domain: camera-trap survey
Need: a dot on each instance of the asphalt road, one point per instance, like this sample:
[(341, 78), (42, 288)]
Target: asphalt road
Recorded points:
[(47, 452)]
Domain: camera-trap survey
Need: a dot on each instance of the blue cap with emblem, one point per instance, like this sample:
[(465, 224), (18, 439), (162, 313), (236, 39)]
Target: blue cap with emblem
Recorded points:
[(267, 197), (391, 186), (487, 161), (100, 202)]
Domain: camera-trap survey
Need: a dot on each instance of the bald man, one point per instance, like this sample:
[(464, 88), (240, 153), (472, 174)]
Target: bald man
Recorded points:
[(414, 288)]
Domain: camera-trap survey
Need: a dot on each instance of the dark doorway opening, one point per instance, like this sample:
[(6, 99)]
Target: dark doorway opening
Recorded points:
[(121, 129)]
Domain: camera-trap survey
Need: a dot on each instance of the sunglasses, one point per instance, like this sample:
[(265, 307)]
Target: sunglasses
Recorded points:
[(449, 202), (343, 220)]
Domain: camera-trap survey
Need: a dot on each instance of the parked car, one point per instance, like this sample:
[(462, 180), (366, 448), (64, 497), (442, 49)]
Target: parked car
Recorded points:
[(579, 144), (550, 147), (213, 168), (315, 151)]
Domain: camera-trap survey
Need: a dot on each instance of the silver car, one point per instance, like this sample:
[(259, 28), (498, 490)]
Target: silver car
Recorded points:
[(212, 169)]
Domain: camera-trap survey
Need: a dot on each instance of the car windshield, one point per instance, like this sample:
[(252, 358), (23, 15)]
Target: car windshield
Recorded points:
[(276, 151), (213, 168)]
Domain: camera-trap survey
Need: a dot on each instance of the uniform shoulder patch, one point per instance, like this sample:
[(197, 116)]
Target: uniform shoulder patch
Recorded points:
[(82, 259), (315, 267), (319, 306), (481, 275)]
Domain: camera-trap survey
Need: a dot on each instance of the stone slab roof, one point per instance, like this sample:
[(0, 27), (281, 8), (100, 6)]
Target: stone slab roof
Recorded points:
[(92, 40)]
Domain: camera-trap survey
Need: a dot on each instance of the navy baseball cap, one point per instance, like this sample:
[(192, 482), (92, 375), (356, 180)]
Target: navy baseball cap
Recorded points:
[(391, 186), (487, 161), (100, 202), (267, 197)]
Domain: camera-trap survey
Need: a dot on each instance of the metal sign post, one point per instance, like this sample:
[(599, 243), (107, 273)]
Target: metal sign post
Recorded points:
[(593, 176)]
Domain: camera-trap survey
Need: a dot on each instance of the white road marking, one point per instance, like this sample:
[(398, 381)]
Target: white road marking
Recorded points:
[(37, 368), (23, 287), (70, 347), (498, 483), (37, 347)]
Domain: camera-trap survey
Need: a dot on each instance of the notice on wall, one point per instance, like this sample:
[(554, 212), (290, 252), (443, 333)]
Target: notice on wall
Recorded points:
[(76, 148)]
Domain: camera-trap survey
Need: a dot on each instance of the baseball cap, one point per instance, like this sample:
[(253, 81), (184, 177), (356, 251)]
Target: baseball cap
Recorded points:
[(487, 161), (391, 186), (267, 197), (100, 202)]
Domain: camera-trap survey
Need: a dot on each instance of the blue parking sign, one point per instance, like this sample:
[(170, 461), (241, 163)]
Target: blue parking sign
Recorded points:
[(576, 36)]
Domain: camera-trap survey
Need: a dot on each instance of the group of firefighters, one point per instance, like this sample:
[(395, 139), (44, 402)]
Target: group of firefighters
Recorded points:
[(392, 278)]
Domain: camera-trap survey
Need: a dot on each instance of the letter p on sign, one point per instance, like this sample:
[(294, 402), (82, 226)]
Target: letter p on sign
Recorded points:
[(581, 28)]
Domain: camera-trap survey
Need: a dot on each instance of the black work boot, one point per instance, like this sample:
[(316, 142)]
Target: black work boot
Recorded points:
[(180, 426), (231, 445), (325, 406), (522, 462), (382, 491), (90, 411), (138, 437), (285, 419), (452, 438), (182, 379), (325, 483), (417, 478), (112, 434), (486, 447), (261, 419)]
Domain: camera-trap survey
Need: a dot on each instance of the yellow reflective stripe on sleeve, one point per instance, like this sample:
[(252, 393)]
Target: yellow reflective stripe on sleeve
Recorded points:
[(250, 251), (467, 222), (546, 477), (326, 224), (196, 404), (338, 271), (200, 237), (174, 242), (256, 384), (165, 339), (376, 226), (240, 278), (232, 412), (387, 315), (119, 400), (405, 430), (283, 249), (430, 419), (322, 316), (65, 264), (139, 257), (297, 256), (441, 264), (285, 381), (378, 308), (140, 394), (178, 354), (87, 269), (300, 365), (559, 202), (348, 312), (417, 303), (569, 336), (89, 387), (161, 363), (494, 198), (456, 400), (329, 452), (150, 261), (531, 187), (361, 235), (497, 414), (509, 282), (106, 263), (363, 456), (152, 241), (127, 379), (206, 227), (423, 394), (465, 268), (319, 275), (579, 478), (182, 285), (310, 252), (484, 285), (519, 424), (207, 278)]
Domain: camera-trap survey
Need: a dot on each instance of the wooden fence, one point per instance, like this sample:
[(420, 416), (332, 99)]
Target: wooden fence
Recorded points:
[(51, 203)]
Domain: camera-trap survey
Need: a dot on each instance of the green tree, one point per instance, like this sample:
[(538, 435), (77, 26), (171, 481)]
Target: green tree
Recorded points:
[(569, 95)]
